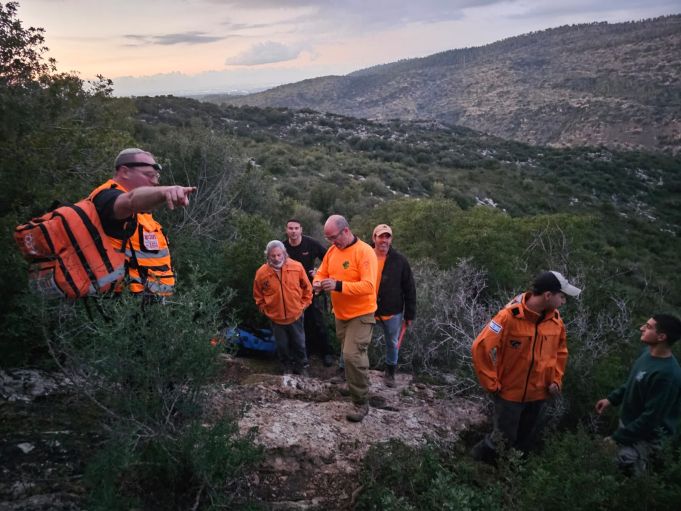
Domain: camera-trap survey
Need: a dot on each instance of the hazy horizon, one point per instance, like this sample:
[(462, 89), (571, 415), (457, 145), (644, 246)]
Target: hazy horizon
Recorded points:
[(192, 47)]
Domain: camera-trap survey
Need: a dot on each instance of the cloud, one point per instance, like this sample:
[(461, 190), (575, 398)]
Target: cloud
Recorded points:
[(245, 26), (369, 14), (271, 4), (193, 37), (587, 8), (266, 52), (279, 21)]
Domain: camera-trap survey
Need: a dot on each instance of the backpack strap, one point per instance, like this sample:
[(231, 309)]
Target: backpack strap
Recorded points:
[(94, 234)]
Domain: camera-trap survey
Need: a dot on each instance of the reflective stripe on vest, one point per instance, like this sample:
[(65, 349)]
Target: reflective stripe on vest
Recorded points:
[(148, 268), (148, 255)]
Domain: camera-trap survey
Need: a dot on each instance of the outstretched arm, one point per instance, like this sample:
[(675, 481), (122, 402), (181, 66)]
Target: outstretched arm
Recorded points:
[(148, 198)]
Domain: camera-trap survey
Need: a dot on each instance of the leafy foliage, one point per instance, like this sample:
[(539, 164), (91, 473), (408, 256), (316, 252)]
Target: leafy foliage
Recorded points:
[(439, 477), (21, 50), (398, 476), (149, 371), (243, 256)]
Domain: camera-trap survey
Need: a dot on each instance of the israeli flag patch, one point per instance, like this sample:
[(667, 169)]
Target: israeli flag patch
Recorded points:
[(494, 327)]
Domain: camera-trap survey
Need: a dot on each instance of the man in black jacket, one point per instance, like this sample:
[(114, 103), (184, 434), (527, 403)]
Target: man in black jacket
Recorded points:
[(396, 296), (306, 251)]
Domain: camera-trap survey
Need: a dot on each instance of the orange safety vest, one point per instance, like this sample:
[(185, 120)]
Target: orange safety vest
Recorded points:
[(147, 254)]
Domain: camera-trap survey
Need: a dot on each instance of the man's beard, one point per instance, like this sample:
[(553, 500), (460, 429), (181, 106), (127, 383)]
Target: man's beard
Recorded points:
[(276, 266)]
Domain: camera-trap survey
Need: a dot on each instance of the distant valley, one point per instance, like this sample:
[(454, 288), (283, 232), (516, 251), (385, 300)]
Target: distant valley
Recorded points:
[(600, 84)]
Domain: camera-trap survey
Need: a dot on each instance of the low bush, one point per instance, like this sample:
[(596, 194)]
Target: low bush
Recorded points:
[(574, 471), (396, 476), (149, 367)]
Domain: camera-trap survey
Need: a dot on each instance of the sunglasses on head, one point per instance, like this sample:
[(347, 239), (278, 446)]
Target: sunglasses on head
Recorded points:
[(156, 166)]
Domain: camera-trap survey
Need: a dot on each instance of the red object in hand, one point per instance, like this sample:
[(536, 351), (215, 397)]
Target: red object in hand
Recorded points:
[(402, 330)]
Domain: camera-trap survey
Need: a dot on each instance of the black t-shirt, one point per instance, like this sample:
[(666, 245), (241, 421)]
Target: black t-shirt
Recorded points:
[(306, 252), (104, 203)]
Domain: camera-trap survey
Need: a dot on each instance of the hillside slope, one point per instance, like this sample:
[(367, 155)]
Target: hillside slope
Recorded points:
[(597, 84)]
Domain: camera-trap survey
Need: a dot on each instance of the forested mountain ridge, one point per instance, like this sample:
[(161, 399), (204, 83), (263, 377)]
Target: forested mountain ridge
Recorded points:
[(370, 162), (595, 84), (327, 163)]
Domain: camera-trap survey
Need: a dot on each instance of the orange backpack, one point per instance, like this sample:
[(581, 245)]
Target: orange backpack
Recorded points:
[(70, 256)]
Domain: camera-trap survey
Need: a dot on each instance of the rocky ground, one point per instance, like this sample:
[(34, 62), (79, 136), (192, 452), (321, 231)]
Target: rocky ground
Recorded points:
[(312, 453), (43, 442)]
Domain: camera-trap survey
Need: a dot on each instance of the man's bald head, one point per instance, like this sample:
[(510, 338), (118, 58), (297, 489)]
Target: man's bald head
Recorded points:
[(337, 231), (336, 221)]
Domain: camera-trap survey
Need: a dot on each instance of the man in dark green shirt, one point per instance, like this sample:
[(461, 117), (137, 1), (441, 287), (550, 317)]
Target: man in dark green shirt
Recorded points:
[(651, 396)]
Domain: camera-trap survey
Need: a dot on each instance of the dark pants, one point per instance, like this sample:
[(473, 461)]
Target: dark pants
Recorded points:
[(291, 344), (516, 425), (634, 459), (316, 336)]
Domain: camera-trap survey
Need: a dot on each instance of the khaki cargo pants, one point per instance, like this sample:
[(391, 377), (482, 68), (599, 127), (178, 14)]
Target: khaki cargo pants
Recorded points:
[(354, 336)]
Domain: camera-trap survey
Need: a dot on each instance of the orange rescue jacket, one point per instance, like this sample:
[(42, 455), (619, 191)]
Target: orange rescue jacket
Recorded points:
[(146, 252), (282, 299), (529, 355)]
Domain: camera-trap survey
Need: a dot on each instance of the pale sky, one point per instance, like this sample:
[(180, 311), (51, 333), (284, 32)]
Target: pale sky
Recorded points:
[(200, 46)]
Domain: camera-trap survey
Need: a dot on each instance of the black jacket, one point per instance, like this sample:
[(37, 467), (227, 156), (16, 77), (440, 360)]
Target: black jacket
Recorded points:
[(397, 292)]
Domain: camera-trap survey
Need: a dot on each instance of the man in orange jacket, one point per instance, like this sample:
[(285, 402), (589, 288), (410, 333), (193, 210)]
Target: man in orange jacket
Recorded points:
[(530, 352), (282, 292), (349, 272)]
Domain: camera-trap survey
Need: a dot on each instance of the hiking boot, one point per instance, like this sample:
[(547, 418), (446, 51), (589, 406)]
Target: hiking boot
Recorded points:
[(389, 377), (328, 360), (302, 370), (483, 452), (340, 376), (358, 413)]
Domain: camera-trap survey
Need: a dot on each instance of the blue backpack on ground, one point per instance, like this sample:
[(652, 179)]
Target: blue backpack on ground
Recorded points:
[(255, 339)]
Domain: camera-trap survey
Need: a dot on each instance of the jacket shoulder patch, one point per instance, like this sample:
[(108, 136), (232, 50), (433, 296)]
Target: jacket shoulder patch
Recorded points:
[(495, 327)]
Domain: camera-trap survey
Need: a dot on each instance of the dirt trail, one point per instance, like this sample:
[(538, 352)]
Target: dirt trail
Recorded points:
[(313, 453)]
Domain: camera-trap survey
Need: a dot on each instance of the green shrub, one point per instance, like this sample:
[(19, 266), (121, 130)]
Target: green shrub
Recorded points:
[(396, 476), (574, 471), (577, 471), (205, 465), (149, 368), (559, 478), (242, 257)]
